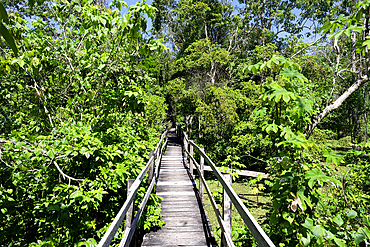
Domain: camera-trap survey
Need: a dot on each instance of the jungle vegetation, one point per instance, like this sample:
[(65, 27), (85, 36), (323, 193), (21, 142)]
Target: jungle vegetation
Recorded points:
[(266, 85)]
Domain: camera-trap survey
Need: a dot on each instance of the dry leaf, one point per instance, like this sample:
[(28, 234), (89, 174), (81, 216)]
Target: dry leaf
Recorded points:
[(295, 204)]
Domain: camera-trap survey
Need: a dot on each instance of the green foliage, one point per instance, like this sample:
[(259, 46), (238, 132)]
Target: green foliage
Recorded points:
[(4, 31), (77, 122), (83, 100), (298, 185), (354, 23), (103, 159), (251, 100)]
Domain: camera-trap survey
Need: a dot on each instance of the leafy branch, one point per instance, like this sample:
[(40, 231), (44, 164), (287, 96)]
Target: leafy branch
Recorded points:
[(49, 154)]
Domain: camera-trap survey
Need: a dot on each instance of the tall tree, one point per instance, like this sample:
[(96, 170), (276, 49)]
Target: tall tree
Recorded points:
[(350, 36), (184, 22)]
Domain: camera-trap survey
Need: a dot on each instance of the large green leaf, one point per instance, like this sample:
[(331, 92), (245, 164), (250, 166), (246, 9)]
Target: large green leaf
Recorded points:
[(340, 242), (8, 38), (333, 157), (359, 237), (287, 132), (272, 127), (318, 175), (336, 35), (293, 74), (366, 42), (282, 93), (288, 217), (308, 223), (318, 231), (338, 220), (305, 200), (3, 14), (297, 141), (304, 106), (351, 214), (306, 241)]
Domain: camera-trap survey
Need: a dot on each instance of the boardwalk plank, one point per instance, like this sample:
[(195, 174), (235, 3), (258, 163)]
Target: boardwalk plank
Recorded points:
[(180, 207), (174, 240)]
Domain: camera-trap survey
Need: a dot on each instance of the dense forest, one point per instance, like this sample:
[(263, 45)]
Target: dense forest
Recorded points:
[(265, 85)]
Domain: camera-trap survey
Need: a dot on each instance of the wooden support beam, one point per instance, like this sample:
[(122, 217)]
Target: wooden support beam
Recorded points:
[(191, 164), (130, 212), (186, 149), (201, 166), (227, 213), (151, 166)]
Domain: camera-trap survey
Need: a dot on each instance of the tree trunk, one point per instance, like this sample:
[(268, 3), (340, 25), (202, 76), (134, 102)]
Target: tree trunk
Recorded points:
[(336, 104), (357, 124), (189, 120), (355, 76), (200, 134), (365, 113), (263, 22)]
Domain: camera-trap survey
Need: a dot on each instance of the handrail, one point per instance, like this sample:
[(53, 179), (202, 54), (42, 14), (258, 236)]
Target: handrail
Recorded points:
[(257, 232), (129, 232), (213, 202), (113, 228)]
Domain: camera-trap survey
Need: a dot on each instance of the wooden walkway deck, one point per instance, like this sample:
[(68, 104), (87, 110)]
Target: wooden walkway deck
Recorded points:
[(186, 221)]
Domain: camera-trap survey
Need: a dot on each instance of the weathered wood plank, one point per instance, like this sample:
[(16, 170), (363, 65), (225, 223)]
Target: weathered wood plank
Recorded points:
[(179, 202), (175, 189), (183, 218), (176, 223), (179, 234), (178, 210), (177, 198), (174, 183), (175, 193), (173, 240), (174, 245), (181, 229)]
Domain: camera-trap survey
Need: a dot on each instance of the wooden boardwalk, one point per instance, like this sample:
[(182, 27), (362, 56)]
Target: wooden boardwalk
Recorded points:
[(186, 222)]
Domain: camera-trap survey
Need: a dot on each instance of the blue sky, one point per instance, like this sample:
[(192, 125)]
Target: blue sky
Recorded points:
[(131, 2)]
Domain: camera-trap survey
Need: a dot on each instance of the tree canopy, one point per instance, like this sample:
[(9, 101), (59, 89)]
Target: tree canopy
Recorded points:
[(274, 86)]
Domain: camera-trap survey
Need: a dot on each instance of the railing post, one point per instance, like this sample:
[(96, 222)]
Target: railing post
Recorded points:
[(226, 209), (186, 148), (130, 212), (158, 152), (151, 167), (191, 165), (201, 166)]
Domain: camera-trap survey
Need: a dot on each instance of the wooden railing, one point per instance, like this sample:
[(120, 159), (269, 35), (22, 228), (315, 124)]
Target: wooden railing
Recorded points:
[(230, 196), (151, 168)]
